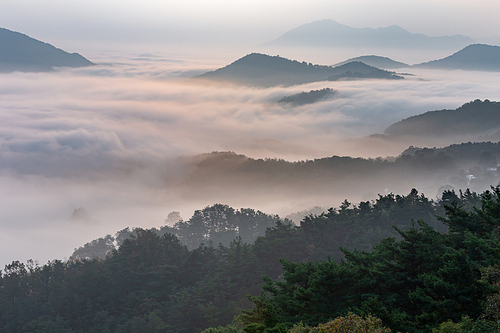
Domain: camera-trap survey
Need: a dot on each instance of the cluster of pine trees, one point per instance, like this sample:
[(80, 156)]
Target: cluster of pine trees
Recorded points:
[(349, 266)]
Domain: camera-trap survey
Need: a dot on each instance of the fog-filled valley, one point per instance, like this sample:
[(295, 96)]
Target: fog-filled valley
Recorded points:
[(120, 139)]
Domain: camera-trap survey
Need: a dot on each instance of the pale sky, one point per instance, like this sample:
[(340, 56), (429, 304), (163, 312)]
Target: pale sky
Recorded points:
[(238, 22)]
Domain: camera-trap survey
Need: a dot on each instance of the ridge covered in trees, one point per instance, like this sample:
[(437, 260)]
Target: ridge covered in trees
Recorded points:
[(414, 276), (262, 70), (472, 118)]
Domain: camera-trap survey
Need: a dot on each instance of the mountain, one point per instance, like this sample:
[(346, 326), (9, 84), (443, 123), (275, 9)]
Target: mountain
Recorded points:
[(479, 57), (19, 52), (473, 118), (328, 33), (257, 69), (376, 61)]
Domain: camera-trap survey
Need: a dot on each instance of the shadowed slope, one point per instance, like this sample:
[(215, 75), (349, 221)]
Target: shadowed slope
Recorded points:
[(19, 52), (474, 57)]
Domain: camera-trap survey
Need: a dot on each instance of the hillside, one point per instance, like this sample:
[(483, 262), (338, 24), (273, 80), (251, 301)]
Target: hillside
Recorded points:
[(480, 57), (376, 61), (391, 257), (19, 52), (257, 69), (473, 118), (328, 33)]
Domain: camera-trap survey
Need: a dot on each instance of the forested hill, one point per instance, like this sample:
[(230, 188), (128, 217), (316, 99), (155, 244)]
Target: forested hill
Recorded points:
[(19, 52), (479, 57), (416, 279), (257, 69), (221, 176), (473, 118)]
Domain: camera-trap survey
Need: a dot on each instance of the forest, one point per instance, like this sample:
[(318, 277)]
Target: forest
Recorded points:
[(401, 262)]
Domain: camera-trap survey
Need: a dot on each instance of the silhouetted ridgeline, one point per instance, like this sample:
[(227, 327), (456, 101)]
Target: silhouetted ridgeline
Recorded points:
[(415, 279), (479, 57), (257, 69), (473, 118), (376, 61), (328, 33), (227, 175), (19, 52)]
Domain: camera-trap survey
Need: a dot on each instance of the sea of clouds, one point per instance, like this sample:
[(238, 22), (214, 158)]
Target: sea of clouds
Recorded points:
[(108, 138)]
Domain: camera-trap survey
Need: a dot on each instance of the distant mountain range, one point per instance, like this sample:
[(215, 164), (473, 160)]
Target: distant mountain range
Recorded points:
[(263, 70), (473, 57), (328, 33), (473, 118), (19, 52), (376, 61)]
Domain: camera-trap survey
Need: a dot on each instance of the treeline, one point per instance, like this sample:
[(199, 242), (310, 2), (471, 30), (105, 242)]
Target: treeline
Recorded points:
[(417, 276), (425, 280), (216, 224)]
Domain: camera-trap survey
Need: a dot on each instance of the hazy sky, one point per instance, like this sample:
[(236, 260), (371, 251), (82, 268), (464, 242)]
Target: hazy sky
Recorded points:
[(238, 22)]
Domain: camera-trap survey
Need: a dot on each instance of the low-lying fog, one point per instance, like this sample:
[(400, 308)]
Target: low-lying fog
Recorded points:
[(108, 138)]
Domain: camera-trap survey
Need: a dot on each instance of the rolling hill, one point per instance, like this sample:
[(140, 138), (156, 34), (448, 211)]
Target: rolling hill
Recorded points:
[(473, 118), (257, 69), (480, 57), (19, 52), (328, 33)]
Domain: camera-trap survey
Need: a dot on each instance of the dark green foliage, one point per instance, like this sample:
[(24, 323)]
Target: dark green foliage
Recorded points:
[(413, 284), (416, 276)]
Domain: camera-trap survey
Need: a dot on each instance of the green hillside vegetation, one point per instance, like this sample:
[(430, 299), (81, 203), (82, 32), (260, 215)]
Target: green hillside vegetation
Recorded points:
[(475, 57), (216, 224), (22, 53), (262, 70), (476, 117), (418, 276), (310, 97)]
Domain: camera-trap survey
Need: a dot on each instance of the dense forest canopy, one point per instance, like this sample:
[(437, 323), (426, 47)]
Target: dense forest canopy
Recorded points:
[(378, 258)]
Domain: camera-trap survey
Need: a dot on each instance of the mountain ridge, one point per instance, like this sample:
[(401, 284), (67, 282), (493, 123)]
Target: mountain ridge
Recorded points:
[(257, 69), (330, 33), (475, 117), (19, 52), (472, 57)]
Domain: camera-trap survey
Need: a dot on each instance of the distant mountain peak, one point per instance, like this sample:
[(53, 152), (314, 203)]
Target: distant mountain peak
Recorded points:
[(19, 52), (329, 33)]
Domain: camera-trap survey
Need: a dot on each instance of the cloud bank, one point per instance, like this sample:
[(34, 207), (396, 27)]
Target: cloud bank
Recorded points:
[(109, 138)]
